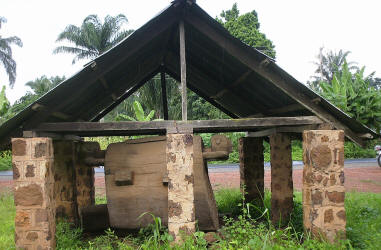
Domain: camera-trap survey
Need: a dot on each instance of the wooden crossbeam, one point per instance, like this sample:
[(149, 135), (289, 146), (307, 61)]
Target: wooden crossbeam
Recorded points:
[(270, 71), (240, 80), (286, 129), (160, 127)]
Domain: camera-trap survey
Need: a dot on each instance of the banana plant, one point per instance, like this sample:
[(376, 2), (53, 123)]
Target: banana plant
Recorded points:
[(139, 114), (354, 94)]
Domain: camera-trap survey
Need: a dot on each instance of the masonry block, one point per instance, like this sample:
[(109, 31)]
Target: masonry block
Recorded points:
[(323, 184), (251, 165), (181, 208), (32, 160), (281, 178)]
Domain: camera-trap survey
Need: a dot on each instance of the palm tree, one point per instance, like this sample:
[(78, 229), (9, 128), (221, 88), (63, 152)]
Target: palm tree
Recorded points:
[(93, 37), (6, 54), (330, 63), (42, 85)]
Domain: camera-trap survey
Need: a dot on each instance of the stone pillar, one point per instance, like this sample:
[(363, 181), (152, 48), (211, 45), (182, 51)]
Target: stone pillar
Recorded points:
[(323, 184), (64, 181), (32, 160), (85, 189), (281, 178), (251, 166), (181, 209)]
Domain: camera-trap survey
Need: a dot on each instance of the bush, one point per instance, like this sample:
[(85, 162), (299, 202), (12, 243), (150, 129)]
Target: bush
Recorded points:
[(5, 160)]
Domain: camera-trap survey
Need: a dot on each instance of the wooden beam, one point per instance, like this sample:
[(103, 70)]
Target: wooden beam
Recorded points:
[(199, 93), (160, 127), (39, 107), (107, 88), (183, 67), (124, 96), (282, 110), (270, 71), (236, 83), (164, 94), (285, 129)]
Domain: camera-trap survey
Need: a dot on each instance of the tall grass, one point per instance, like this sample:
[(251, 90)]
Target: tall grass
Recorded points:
[(7, 215)]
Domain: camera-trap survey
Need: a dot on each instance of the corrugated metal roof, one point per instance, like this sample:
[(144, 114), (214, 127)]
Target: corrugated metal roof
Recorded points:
[(213, 71)]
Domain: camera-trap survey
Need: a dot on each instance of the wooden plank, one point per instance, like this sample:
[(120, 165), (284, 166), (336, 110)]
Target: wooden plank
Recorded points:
[(107, 88), (124, 97), (199, 93), (183, 67), (240, 80), (270, 71), (164, 94), (160, 127), (271, 131)]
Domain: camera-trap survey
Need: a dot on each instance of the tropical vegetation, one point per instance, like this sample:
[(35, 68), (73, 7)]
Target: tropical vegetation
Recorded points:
[(93, 37), (6, 55)]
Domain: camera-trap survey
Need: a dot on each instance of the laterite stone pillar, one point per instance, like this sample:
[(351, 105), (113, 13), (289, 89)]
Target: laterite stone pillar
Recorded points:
[(323, 184), (181, 209), (281, 178), (32, 160), (251, 168), (74, 180), (64, 181)]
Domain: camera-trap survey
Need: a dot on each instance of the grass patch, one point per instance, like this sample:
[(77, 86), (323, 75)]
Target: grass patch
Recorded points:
[(243, 229), (7, 227)]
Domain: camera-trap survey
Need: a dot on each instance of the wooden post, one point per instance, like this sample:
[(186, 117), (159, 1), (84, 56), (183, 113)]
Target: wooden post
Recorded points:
[(164, 95), (281, 179), (251, 168), (183, 72)]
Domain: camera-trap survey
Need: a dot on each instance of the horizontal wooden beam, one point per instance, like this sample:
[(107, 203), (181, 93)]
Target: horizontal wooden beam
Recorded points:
[(161, 127), (286, 129)]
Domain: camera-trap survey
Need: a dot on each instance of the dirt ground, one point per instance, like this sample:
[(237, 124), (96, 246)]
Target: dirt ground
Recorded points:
[(363, 179)]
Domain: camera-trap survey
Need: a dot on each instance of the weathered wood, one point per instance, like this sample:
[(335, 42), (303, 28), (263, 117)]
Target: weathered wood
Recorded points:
[(285, 109), (199, 93), (270, 131), (107, 88), (39, 107), (269, 71), (127, 94), (164, 95), (183, 67), (236, 83), (160, 127)]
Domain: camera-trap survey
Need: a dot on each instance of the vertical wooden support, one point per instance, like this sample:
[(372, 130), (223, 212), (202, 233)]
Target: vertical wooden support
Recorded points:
[(181, 208), (183, 66), (323, 184), (281, 178), (164, 95), (251, 166), (32, 160)]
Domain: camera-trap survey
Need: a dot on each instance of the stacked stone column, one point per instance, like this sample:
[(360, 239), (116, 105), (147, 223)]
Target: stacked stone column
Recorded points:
[(33, 193), (181, 209), (252, 168), (281, 178), (323, 184)]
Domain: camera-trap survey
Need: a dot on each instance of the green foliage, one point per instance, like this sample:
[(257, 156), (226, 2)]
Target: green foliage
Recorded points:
[(4, 103), (246, 28), (363, 220), (6, 57), (7, 226), (247, 231), (353, 94), (67, 236), (93, 37), (39, 86), (5, 160), (139, 114), (105, 141)]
